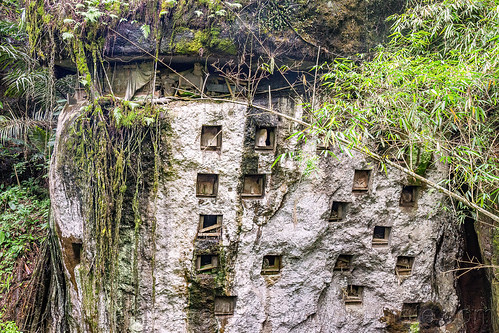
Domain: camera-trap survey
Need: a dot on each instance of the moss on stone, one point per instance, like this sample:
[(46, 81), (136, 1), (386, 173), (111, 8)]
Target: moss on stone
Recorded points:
[(218, 44), (206, 39), (185, 46)]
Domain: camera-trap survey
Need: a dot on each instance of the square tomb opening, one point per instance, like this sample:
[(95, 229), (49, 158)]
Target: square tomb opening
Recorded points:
[(323, 142), (207, 185), (410, 311), (338, 211), (408, 197), (404, 265), (343, 263), (265, 138), (271, 264), (361, 181), (253, 186), (381, 236), (352, 295), (211, 137), (77, 249), (206, 262), (225, 305), (210, 227)]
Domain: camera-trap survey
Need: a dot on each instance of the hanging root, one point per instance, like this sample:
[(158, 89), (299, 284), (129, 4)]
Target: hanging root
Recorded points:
[(36, 302)]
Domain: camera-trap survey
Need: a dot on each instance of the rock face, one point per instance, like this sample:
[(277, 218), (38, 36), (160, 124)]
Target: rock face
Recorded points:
[(207, 232), (327, 252), (285, 29)]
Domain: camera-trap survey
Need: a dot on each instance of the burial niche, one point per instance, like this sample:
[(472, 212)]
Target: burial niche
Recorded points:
[(225, 305), (381, 236), (361, 181), (410, 311), (352, 295), (207, 185), (191, 81), (271, 265), (206, 262), (408, 196), (343, 263), (338, 211), (77, 249), (404, 265), (210, 227), (211, 137), (253, 186), (265, 138)]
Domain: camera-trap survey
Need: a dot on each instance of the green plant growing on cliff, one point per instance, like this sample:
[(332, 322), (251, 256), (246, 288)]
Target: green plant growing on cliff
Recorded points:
[(27, 117), (24, 211), (414, 328), (9, 327), (431, 91), (108, 140), (26, 125), (23, 219)]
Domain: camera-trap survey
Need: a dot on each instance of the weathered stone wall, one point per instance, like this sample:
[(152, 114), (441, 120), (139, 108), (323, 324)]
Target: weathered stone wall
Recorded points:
[(168, 294)]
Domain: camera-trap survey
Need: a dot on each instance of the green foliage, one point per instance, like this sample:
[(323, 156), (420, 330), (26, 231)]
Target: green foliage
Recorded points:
[(24, 81), (273, 15), (449, 29), (24, 212), (184, 46), (11, 56), (146, 30), (23, 77), (10, 10), (38, 141), (9, 327), (107, 141), (306, 160), (67, 35), (432, 91), (31, 118), (90, 13), (129, 114)]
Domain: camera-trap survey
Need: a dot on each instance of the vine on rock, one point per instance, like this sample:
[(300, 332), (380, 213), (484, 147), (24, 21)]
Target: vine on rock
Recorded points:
[(108, 138)]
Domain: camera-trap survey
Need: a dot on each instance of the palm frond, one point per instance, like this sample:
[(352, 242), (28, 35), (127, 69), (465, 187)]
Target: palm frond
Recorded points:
[(13, 57), (18, 128), (21, 82)]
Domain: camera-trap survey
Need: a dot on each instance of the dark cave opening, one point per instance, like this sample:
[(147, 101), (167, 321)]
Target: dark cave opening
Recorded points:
[(473, 286)]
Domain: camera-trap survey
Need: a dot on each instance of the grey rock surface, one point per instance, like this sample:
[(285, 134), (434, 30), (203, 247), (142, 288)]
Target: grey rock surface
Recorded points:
[(291, 220)]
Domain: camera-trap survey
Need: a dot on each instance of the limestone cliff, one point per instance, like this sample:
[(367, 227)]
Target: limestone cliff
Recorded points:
[(176, 218), (159, 284)]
